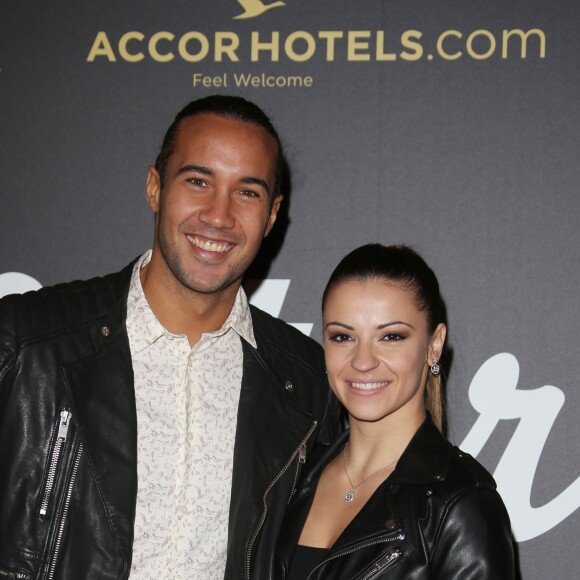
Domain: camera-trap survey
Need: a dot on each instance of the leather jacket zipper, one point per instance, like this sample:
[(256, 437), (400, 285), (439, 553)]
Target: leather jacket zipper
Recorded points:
[(14, 575), (63, 426), (392, 556), (301, 452), (61, 524), (301, 461)]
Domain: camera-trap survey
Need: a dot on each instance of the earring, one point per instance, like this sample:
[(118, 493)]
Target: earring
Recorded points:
[(435, 369)]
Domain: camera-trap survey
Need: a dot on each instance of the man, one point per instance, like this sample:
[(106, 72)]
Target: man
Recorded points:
[(123, 399)]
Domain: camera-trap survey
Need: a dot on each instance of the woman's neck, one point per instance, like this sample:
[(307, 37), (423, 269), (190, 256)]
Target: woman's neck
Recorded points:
[(374, 445)]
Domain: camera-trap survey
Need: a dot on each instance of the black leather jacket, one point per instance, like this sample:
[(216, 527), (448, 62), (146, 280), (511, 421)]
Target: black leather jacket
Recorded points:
[(437, 517), (68, 434)]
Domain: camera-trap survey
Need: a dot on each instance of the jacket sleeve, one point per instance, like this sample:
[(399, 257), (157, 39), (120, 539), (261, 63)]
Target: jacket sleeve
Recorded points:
[(475, 540), (7, 341)]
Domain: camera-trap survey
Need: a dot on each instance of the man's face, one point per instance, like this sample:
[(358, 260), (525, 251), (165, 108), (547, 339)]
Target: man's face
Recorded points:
[(214, 208)]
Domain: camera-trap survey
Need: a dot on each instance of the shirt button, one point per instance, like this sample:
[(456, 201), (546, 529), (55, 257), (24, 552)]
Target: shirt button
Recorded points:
[(105, 331), (289, 386)]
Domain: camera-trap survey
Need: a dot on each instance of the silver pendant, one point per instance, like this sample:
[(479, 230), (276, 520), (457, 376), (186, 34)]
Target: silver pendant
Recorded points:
[(349, 496)]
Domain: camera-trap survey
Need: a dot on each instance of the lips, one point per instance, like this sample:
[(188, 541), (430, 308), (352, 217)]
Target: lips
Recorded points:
[(209, 246), (368, 386)]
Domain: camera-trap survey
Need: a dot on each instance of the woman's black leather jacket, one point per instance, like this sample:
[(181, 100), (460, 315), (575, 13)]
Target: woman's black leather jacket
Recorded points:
[(437, 517)]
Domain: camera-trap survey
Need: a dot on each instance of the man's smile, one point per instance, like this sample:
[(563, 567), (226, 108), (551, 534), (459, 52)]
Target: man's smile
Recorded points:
[(208, 245)]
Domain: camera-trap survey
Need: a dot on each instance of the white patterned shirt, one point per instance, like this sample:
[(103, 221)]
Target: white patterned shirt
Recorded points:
[(187, 403)]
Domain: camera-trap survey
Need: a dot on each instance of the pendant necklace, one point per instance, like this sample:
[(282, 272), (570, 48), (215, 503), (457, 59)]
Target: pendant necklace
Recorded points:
[(349, 495)]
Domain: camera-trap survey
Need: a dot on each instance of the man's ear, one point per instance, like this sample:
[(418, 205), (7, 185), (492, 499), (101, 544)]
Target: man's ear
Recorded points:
[(273, 213), (153, 189)]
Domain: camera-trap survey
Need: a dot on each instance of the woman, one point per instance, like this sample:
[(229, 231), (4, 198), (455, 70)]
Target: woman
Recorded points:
[(392, 498)]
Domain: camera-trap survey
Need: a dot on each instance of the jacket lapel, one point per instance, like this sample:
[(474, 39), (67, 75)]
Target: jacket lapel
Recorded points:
[(103, 405), (426, 458), (269, 427), (269, 431)]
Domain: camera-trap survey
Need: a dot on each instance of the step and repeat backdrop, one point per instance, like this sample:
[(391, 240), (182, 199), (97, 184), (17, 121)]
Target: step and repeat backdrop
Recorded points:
[(452, 126)]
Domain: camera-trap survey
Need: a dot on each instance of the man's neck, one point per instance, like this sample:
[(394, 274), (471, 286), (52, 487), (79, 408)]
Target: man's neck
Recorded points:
[(183, 311)]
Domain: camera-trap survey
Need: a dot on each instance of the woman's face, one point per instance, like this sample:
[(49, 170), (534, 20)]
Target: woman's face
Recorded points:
[(378, 349)]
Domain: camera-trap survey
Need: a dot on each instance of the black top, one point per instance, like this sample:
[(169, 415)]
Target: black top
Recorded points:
[(304, 560)]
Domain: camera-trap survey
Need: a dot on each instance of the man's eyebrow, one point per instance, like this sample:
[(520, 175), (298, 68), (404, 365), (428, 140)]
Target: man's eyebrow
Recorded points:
[(196, 168)]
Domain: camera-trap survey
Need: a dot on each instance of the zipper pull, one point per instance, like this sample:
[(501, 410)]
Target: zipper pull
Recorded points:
[(64, 425), (302, 454), (393, 555)]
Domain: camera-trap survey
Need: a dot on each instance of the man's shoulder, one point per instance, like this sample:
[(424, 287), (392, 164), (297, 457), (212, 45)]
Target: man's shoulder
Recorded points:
[(278, 336), (55, 309)]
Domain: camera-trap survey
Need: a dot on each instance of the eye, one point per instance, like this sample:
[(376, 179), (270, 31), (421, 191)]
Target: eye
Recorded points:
[(249, 193), (339, 337), (197, 181), (393, 337)]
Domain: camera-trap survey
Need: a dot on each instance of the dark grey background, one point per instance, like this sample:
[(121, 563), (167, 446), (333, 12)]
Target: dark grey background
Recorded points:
[(473, 162)]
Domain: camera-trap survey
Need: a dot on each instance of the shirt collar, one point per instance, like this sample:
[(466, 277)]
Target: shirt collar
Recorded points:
[(239, 319), (144, 328)]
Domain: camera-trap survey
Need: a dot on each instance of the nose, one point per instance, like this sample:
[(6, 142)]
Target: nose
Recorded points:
[(364, 357), (217, 211)]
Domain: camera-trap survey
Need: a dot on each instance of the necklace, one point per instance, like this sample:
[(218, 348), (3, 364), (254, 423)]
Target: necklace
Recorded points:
[(349, 495)]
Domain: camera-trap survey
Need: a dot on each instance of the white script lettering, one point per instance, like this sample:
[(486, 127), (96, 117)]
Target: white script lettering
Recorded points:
[(494, 394)]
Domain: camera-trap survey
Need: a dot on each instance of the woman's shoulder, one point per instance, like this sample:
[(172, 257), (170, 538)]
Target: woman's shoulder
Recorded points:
[(430, 459), (462, 490), (466, 470), (462, 476)]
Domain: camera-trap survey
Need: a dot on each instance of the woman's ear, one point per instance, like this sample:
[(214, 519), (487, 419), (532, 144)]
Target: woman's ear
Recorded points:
[(436, 343)]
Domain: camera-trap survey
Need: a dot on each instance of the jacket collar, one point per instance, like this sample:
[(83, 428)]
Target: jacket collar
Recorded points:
[(113, 323), (426, 458)]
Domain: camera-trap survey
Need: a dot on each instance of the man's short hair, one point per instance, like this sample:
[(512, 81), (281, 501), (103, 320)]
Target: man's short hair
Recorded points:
[(229, 107)]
